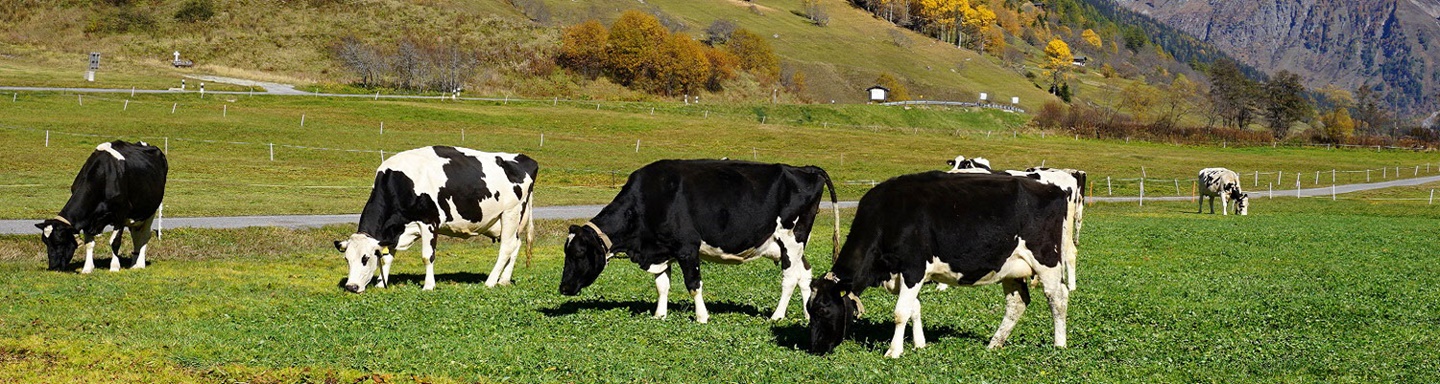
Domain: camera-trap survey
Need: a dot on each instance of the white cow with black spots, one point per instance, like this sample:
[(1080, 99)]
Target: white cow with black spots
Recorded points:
[(1225, 184)]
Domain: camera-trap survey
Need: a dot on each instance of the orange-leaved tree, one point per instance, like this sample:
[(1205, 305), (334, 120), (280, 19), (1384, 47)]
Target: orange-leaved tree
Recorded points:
[(681, 68), (633, 46), (755, 54), (582, 48)]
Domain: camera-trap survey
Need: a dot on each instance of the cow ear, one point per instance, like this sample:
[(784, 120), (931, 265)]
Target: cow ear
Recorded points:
[(574, 229), (40, 225), (341, 245)]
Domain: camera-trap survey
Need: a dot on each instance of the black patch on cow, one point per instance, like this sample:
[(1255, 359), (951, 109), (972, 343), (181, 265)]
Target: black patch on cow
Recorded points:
[(392, 204), (519, 192), (784, 255), (464, 185), (518, 169)]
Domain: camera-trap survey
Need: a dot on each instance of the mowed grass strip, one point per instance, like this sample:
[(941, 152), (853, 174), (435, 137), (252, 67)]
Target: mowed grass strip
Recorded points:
[(219, 146), (1301, 290)]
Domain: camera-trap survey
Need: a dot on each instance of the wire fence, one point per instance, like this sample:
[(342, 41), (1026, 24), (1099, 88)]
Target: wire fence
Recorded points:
[(1109, 185)]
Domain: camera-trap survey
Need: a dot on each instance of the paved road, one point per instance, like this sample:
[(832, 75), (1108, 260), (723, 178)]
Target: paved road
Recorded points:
[(12, 227)]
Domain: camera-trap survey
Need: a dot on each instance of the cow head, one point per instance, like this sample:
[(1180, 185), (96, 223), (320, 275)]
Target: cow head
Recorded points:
[(585, 258), (363, 253), (831, 313), (60, 240), (1242, 202)]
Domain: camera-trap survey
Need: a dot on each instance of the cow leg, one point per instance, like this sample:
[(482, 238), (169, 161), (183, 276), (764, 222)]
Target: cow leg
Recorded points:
[(662, 286), (1200, 208), (89, 254), (140, 235), (1017, 296), (385, 270), (690, 269), (797, 273), (509, 247), (941, 286), (115, 242), (907, 307), (427, 251), (1224, 204), (1059, 298)]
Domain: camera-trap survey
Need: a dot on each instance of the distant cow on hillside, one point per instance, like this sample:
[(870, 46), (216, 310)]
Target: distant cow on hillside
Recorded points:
[(121, 185), (1225, 184)]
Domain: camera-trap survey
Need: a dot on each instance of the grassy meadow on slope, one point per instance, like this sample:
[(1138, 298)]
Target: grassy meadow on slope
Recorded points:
[(1158, 301), (586, 154)]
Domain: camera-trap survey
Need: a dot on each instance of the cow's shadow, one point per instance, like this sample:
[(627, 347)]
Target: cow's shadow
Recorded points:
[(103, 263), (871, 334), (648, 307), (455, 277)]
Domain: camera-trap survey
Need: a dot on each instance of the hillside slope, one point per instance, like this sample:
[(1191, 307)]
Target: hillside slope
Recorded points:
[(1392, 43), (294, 41)]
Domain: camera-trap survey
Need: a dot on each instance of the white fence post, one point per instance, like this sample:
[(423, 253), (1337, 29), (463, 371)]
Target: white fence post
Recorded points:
[(1279, 176), (1257, 178), (542, 140), (1177, 187), (1142, 192), (167, 144), (47, 138), (382, 128), (1317, 177), (637, 145), (1332, 192), (81, 98), (132, 91), (172, 107), (1367, 175), (127, 105), (272, 151), (462, 135), (302, 120), (1432, 196), (1271, 188), (1384, 173), (1108, 191)]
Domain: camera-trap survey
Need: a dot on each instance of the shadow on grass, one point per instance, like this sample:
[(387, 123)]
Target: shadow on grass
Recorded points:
[(648, 307), (103, 263), (456, 277), (869, 333)]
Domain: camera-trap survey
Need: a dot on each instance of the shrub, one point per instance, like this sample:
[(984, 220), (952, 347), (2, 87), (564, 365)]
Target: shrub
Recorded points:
[(632, 47), (121, 20), (719, 31), (195, 11), (755, 54), (582, 48)]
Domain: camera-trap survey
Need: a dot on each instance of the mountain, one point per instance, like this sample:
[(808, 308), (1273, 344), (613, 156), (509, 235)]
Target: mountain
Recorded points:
[(1392, 44)]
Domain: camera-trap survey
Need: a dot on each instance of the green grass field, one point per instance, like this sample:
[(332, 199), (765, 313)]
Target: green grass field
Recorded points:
[(220, 156), (1310, 290)]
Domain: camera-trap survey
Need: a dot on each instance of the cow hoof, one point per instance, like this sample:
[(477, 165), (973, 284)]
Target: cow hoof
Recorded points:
[(702, 320), (505, 283), (87, 271), (658, 316), (138, 266), (428, 288), (893, 353), (777, 317)]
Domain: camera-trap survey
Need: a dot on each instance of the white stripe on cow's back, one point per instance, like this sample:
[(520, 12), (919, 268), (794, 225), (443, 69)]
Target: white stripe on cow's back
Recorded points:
[(106, 147)]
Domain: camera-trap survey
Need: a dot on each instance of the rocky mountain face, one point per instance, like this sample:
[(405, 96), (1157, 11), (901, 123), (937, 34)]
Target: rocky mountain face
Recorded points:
[(1394, 44)]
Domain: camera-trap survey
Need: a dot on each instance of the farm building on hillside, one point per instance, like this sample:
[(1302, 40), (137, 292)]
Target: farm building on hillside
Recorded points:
[(878, 94)]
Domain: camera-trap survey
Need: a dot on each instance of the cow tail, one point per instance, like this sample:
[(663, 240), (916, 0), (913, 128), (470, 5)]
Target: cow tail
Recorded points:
[(529, 227), (835, 209)]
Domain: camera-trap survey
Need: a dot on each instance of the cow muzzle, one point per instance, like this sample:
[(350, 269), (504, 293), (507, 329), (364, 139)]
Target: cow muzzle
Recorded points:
[(354, 288)]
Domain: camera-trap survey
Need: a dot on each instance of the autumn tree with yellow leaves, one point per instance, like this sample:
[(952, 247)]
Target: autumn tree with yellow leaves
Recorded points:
[(1058, 60)]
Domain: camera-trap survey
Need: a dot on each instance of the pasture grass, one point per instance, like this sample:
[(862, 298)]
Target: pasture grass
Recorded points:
[(1301, 290), (220, 160)]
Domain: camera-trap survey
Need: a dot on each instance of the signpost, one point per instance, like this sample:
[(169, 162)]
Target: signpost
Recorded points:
[(94, 65)]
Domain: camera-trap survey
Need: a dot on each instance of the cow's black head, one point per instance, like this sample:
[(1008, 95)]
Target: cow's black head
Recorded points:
[(60, 242), (585, 257), (832, 311)]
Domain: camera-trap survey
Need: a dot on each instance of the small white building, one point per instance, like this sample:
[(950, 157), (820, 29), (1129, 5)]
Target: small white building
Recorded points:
[(878, 94)]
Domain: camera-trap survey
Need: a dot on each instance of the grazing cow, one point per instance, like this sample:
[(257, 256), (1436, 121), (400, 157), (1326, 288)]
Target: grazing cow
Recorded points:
[(121, 185), (960, 229), (1225, 184), (685, 211), (1069, 180), (452, 191)]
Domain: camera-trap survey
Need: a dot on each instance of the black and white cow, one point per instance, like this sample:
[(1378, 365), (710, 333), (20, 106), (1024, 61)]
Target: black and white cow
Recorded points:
[(452, 191), (1225, 184), (960, 229), (121, 185), (1069, 180), (720, 211)]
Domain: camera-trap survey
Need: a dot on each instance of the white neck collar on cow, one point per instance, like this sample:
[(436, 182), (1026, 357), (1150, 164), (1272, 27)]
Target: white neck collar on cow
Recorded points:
[(603, 239), (62, 220)]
